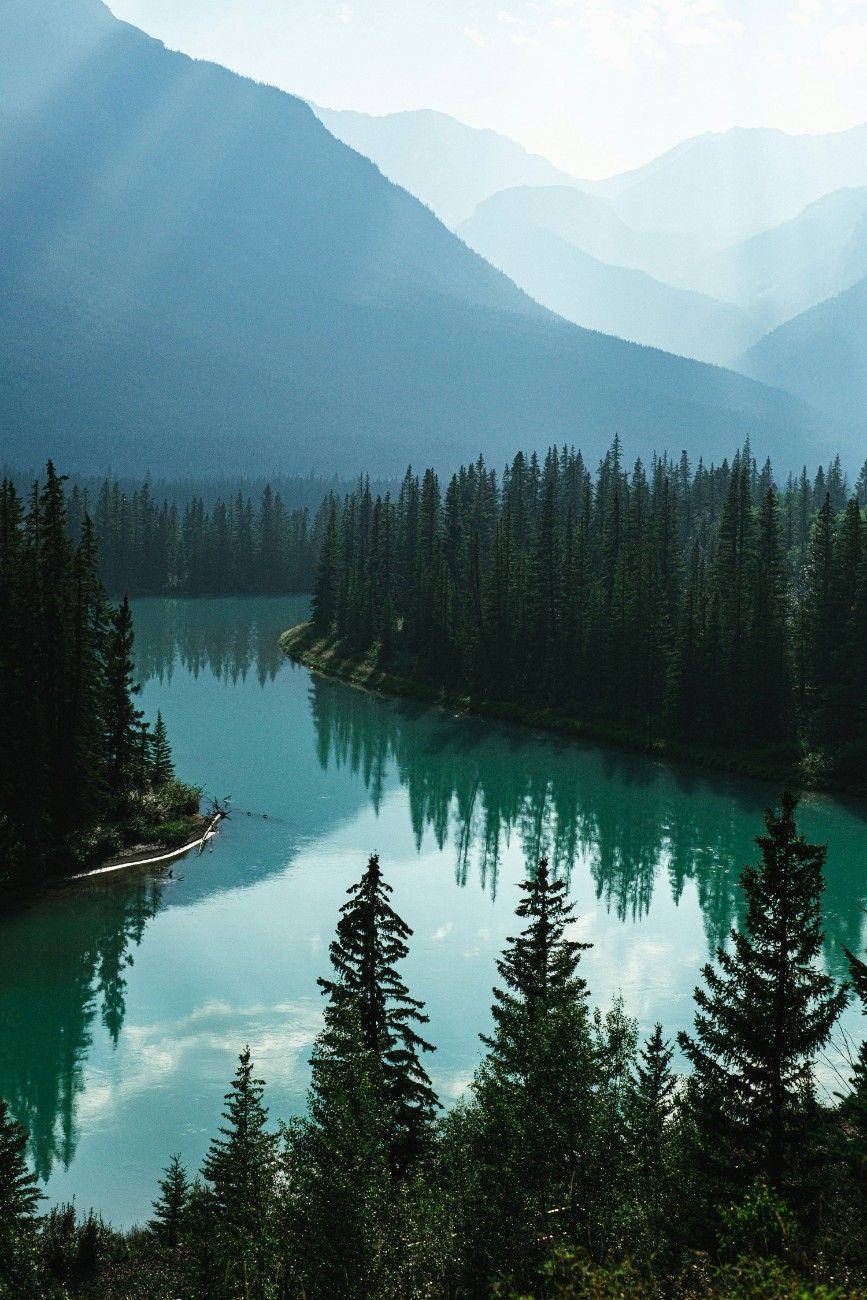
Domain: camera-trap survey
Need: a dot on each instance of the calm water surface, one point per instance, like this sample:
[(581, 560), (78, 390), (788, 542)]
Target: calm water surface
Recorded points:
[(124, 1005)]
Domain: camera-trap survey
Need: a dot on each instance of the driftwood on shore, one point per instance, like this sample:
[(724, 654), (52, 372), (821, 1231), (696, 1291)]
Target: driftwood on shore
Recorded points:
[(148, 858)]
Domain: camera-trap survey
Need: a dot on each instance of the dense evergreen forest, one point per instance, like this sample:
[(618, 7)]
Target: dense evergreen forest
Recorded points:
[(705, 607), (579, 1163), (81, 771), (207, 537)]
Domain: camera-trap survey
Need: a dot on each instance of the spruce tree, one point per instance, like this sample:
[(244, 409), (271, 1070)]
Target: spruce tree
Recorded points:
[(765, 1013), (162, 768), (325, 591), (371, 940), (171, 1209), (652, 1136), (240, 1169), (522, 1150), (122, 718), (19, 1199), (341, 1199)]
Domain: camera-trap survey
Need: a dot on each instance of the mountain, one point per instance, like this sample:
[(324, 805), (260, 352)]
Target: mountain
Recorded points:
[(449, 166), (539, 237), (786, 270), (719, 188), (821, 356), (197, 275)]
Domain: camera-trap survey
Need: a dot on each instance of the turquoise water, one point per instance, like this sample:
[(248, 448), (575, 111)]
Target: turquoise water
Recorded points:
[(124, 1004)]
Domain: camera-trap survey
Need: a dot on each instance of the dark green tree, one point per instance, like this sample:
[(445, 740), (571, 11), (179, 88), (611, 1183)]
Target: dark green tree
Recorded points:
[(19, 1200), (521, 1152), (371, 940), (122, 718), (341, 1199), (240, 1170), (162, 769), (764, 1014), (171, 1209)]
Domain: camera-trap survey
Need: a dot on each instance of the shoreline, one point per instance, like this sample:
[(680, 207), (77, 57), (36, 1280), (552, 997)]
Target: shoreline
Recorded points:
[(321, 655), (142, 856), (156, 853)]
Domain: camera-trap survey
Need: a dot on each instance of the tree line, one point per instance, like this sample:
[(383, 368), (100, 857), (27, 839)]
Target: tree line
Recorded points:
[(193, 543), (579, 1163), (706, 605), (81, 771)]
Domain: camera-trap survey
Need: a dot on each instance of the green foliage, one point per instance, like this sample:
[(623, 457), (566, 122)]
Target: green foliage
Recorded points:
[(19, 1199), (171, 1210), (371, 939), (705, 607), (519, 1155), (78, 762), (765, 1013), (759, 1224), (240, 1173)]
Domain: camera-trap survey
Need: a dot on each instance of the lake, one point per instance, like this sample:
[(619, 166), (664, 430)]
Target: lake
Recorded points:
[(126, 1002)]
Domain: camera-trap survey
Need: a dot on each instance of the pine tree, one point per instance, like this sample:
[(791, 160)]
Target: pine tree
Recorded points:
[(325, 591), (171, 1209), (19, 1199), (122, 718), (522, 1150), (241, 1169), (162, 769), (371, 939), (652, 1137), (765, 1013), (341, 1201)]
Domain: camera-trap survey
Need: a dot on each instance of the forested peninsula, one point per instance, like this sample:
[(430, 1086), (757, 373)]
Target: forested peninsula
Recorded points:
[(83, 775), (697, 612)]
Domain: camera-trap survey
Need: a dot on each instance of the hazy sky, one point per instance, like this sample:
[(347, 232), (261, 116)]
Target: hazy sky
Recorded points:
[(596, 85)]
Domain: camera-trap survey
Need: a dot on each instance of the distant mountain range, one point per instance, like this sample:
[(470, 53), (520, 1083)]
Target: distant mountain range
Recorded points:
[(821, 356), (702, 251), (449, 166), (571, 252), (197, 276)]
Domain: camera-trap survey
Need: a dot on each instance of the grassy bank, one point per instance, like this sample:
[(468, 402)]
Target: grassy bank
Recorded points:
[(328, 656), (158, 822)]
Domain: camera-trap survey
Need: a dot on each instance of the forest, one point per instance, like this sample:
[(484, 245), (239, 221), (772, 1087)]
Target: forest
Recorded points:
[(205, 538), (705, 611), (82, 773), (579, 1163)]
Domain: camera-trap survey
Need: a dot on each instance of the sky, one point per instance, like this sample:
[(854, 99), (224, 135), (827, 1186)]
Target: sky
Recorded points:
[(597, 86)]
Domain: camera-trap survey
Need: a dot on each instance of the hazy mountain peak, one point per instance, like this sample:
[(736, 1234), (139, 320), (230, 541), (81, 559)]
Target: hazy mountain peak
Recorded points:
[(449, 166)]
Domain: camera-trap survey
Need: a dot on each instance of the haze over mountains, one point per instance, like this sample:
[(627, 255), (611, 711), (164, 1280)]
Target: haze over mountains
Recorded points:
[(196, 274), (450, 167), (702, 251)]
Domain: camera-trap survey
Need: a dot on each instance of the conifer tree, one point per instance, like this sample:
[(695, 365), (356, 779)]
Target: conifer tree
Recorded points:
[(122, 718), (522, 1150), (652, 1136), (371, 940), (764, 1014), (240, 1169), (325, 591), (341, 1202), (162, 769), (171, 1209), (19, 1199)]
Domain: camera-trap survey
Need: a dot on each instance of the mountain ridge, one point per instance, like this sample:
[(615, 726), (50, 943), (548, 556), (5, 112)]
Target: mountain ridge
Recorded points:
[(196, 271)]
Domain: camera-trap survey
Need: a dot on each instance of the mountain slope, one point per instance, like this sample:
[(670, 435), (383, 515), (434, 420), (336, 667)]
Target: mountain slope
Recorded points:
[(197, 275), (717, 189), (821, 356), (513, 230), (786, 270), (449, 166)]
